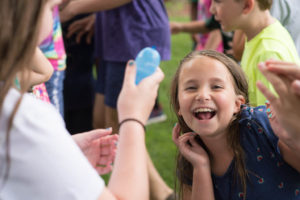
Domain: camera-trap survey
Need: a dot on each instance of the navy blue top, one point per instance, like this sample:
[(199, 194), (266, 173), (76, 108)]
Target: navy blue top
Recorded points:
[(270, 177), (122, 32)]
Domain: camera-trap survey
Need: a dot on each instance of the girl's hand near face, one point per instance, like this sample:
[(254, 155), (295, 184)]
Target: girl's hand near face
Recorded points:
[(190, 149)]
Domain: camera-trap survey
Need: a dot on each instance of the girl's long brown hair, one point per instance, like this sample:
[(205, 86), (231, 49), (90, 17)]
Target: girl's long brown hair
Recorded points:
[(184, 169), (19, 24)]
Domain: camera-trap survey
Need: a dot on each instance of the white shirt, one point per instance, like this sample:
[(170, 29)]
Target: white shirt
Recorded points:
[(45, 161)]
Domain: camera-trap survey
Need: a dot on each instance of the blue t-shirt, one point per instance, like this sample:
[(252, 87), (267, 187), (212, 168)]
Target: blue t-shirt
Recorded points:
[(270, 177), (122, 32)]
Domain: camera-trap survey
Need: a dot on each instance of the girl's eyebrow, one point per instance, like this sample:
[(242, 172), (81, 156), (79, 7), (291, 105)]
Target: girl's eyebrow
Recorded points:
[(216, 79), (213, 79)]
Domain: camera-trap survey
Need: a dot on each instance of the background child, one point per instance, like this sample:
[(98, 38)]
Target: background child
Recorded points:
[(53, 49), (266, 37), (221, 137)]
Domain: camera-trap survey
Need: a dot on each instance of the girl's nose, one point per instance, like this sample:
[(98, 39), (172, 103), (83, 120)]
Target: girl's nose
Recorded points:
[(203, 95)]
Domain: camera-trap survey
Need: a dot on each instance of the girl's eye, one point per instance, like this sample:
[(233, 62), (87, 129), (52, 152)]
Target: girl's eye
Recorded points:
[(190, 88), (217, 87)]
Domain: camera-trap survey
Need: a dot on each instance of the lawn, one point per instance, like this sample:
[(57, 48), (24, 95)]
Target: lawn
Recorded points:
[(158, 137)]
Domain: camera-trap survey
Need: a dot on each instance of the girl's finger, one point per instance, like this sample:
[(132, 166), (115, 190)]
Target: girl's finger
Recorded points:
[(130, 71), (285, 68), (176, 133), (279, 83), (296, 87), (266, 92)]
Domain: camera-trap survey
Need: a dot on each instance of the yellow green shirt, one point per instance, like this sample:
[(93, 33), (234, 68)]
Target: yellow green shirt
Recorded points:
[(272, 42)]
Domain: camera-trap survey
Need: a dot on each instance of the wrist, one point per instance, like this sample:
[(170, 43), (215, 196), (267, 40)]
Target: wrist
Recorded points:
[(202, 167), (132, 120)]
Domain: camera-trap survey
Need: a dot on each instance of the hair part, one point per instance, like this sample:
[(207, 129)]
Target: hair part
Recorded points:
[(184, 168)]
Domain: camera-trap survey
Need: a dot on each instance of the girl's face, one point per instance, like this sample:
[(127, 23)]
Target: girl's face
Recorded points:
[(228, 13), (206, 96), (47, 19)]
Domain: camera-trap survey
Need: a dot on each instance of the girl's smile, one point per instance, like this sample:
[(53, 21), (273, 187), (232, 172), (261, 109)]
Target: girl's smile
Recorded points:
[(206, 95)]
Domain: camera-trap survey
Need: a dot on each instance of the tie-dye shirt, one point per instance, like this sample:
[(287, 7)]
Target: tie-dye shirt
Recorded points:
[(40, 92), (53, 45)]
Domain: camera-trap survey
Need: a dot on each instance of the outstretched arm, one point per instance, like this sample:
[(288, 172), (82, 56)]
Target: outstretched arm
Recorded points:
[(189, 27), (77, 7), (129, 179)]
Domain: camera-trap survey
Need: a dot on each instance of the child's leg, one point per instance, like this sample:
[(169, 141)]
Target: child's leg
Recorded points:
[(111, 118), (99, 106), (99, 111), (159, 190)]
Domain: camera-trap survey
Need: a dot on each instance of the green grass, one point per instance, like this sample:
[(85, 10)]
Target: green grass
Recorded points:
[(159, 136)]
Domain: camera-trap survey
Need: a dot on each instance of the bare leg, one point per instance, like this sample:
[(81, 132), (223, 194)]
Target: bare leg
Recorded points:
[(159, 190), (99, 111), (111, 118)]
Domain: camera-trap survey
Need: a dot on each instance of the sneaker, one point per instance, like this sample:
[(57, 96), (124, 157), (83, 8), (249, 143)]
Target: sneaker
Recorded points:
[(157, 115)]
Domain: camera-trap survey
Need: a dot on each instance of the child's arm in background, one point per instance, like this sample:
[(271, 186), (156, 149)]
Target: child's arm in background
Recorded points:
[(202, 187), (214, 39), (77, 7), (189, 27), (41, 69), (285, 115)]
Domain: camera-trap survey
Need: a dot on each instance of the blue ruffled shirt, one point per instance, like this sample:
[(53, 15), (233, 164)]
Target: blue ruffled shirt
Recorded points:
[(270, 177)]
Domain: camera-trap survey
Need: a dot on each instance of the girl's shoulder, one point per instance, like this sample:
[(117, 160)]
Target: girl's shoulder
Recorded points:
[(248, 112), (257, 116), (255, 126)]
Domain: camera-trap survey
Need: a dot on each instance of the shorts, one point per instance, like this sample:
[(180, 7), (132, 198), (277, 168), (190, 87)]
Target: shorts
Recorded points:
[(109, 82)]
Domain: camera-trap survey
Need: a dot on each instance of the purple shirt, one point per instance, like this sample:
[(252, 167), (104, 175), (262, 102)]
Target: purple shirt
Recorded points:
[(122, 32)]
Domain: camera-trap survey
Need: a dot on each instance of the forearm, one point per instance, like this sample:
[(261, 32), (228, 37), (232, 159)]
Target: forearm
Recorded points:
[(41, 69), (194, 27), (129, 179), (213, 41), (88, 6), (202, 184)]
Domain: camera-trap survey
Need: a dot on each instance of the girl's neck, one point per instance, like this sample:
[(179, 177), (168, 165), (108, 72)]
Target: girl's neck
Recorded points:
[(258, 22), (220, 152)]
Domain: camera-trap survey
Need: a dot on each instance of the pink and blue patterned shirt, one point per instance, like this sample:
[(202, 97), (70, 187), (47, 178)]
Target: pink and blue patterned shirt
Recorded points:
[(53, 45)]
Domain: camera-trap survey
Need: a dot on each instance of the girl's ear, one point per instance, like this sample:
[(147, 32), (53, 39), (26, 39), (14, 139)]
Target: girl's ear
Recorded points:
[(248, 6), (179, 112), (240, 100)]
